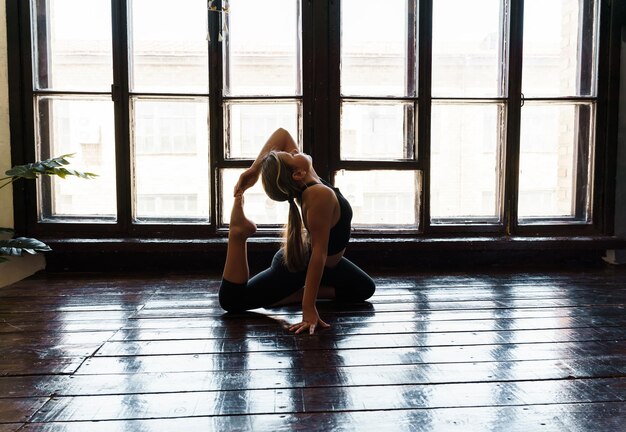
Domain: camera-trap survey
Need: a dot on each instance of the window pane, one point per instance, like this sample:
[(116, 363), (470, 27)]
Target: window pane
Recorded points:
[(249, 125), (466, 151), (556, 148), (468, 48), (262, 49), (83, 126), (375, 47), (168, 49), (171, 160), (377, 131), (381, 197), (73, 44), (560, 48), (258, 207)]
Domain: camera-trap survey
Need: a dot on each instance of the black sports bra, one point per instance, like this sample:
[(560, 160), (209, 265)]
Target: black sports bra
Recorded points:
[(340, 233)]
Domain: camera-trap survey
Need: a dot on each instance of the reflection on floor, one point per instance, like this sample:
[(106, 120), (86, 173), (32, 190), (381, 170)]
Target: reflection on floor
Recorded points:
[(510, 351)]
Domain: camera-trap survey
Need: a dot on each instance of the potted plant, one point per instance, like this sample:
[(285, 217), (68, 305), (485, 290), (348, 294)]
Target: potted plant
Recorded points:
[(57, 167)]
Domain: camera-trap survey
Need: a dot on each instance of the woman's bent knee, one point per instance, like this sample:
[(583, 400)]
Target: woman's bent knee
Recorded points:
[(356, 291), (230, 296), (368, 289)]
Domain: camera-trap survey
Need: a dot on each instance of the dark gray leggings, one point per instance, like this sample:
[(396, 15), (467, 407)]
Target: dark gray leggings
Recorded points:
[(276, 283)]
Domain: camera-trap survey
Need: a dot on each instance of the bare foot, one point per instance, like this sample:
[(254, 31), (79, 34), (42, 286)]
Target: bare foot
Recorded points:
[(240, 225)]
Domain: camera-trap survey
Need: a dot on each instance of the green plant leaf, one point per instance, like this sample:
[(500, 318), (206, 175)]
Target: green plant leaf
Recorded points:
[(7, 230), (53, 166), (19, 246)]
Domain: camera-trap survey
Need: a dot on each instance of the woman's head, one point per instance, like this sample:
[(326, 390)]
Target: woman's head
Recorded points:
[(277, 178), (281, 175)]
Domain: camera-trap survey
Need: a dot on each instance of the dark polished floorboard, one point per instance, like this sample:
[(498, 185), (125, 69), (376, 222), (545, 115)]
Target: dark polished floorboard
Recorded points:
[(501, 350)]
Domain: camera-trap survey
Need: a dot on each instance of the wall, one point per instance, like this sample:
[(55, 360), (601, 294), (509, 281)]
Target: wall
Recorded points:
[(17, 268)]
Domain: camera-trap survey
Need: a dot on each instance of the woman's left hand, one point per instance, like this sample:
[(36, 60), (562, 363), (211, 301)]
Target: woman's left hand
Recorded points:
[(310, 320), (247, 179)]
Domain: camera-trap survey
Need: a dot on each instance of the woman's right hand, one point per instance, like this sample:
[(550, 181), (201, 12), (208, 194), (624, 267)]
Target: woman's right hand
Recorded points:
[(310, 320), (247, 179)]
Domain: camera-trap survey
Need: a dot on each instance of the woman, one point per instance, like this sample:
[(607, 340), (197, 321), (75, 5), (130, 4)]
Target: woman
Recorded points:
[(303, 270)]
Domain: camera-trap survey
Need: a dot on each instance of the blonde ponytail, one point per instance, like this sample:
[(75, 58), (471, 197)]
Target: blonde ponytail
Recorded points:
[(295, 244), (280, 186)]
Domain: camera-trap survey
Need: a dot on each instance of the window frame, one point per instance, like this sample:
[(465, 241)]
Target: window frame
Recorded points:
[(320, 88)]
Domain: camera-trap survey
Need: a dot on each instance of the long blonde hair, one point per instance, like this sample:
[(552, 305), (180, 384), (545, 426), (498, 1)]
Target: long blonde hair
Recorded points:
[(279, 185)]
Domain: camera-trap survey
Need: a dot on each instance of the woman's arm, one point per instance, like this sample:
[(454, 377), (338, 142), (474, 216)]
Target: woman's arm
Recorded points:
[(319, 218), (280, 140)]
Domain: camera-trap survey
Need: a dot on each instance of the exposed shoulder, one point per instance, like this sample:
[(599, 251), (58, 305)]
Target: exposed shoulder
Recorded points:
[(321, 204), (320, 195)]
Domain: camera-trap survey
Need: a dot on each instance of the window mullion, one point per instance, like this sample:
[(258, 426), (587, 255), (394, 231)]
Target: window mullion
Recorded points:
[(611, 19), (120, 93), (20, 74), (325, 104), (216, 118), (424, 106), (514, 97)]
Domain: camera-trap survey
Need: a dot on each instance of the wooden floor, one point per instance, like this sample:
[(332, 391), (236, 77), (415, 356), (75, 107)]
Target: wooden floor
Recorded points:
[(509, 351)]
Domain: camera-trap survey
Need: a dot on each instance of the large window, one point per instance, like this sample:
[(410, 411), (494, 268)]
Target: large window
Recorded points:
[(469, 89), (559, 85), (431, 116), (72, 69), (379, 111)]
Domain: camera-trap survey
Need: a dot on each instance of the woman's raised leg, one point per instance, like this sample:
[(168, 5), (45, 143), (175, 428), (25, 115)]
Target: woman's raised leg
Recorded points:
[(236, 268), (238, 292)]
